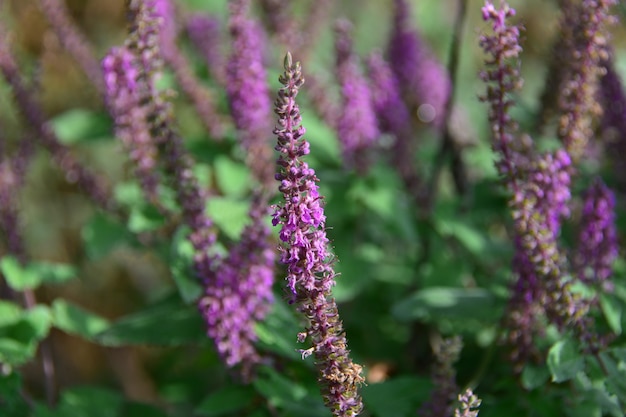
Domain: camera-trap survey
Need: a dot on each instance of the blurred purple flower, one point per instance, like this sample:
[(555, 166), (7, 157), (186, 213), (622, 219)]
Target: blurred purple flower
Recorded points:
[(130, 118), (393, 115), (248, 93), (357, 126), (241, 294), (205, 33), (613, 122), (597, 243), (12, 176), (164, 33), (586, 49), (310, 274), (394, 118), (443, 374), (425, 81), (75, 173)]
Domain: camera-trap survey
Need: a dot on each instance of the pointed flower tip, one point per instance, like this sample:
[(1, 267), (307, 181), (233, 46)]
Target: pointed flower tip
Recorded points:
[(288, 61)]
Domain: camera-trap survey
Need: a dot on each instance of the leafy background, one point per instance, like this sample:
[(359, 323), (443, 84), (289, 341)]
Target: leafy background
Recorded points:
[(115, 304)]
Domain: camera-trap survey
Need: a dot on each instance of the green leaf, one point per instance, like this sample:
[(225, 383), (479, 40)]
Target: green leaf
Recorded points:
[(9, 313), (167, 323), (229, 214), (471, 238), (34, 274), (612, 310), (129, 194), (378, 197), (233, 178), (226, 400), (17, 277), (144, 219), (11, 397), (277, 332), (442, 302), (75, 320), (277, 389), (396, 397), (101, 235), (132, 409), (564, 361), (323, 139), (85, 401), (534, 377), (181, 267), (19, 339), (79, 125)]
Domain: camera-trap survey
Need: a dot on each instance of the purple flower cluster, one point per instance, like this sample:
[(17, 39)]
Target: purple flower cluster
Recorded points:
[(237, 290), (442, 398), (394, 118), (357, 126), (279, 20), (248, 92), (124, 102), (205, 33), (393, 115), (597, 242), (241, 293), (424, 79), (586, 50), (201, 98), (12, 174), (310, 274), (613, 123), (503, 74), (469, 404), (540, 187)]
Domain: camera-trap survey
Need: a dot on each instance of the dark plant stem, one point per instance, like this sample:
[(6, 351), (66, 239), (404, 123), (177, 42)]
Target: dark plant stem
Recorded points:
[(45, 349), (448, 147), (425, 201)]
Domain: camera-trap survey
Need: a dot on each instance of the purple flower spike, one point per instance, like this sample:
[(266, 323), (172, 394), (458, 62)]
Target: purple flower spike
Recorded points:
[(310, 274), (205, 33), (587, 48), (168, 27), (158, 43), (357, 125), (248, 93), (597, 242), (552, 176), (393, 115), (424, 79), (503, 75), (613, 123), (72, 39), (124, 103), (241, 294)]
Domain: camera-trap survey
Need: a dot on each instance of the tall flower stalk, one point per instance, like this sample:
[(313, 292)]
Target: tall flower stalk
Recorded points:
[(248, 91), (425, 81), (539, 185), (310, 273), (357, 126), (586, 49), (73, 40), (91, 184)]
